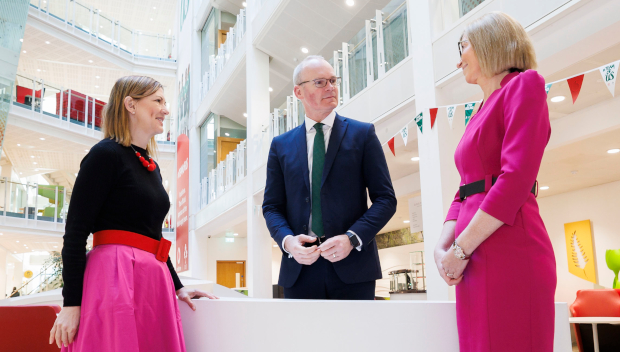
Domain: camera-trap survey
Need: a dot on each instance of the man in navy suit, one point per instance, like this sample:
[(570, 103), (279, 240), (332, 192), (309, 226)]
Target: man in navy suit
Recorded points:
[(319, 176)]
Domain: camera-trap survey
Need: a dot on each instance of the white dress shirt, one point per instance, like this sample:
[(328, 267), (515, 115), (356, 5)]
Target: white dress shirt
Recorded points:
[(328, 123)]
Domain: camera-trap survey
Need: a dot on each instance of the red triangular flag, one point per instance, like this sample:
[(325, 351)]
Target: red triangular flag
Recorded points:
[(575, 86), (391, 145), (433, 112)]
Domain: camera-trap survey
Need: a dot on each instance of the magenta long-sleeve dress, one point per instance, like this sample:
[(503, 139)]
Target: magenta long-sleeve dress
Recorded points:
[(506, 299)]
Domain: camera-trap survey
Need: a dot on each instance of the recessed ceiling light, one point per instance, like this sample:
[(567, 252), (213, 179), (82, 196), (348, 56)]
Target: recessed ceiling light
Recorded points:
[(35, 163), (350, 2), (36, 169), (415, 158), (558, 99), (270, 89), (19, 145), (86, 150), (32, 156), (20, 173), (24, 51), (55, 246), (275, 246), (544, 188), (96, 86), (14, 252), (90, 61), (146, 49), (245, 114), (97, 77), (244, 4), (406, 221), (151, 19), (38, 70), (235, 234), (304, 50), (17, 241), (100, 26), (42, 138), (613, 151), (21, 40), (47, 42), (154, 8)]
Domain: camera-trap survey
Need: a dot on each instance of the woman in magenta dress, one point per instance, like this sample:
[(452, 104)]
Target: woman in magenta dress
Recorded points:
[(121, 296), (494, 246)]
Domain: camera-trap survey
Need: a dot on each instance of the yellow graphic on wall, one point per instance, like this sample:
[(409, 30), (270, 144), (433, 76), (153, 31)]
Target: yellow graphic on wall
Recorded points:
[(580, 250)]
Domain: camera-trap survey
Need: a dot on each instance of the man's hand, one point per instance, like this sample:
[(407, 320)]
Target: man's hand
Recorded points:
[(303, 255), (336, 248)]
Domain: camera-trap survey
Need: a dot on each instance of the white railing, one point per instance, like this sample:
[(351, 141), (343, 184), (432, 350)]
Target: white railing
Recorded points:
[(106, 30), (69, 106), (224, 52), (225, 175), (284, 120)]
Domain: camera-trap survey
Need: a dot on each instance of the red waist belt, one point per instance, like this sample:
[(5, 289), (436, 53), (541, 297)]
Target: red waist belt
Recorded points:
[(159, 248)]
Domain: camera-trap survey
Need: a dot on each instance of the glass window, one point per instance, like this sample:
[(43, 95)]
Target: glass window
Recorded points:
[(395, 34), (357, 63), (208, 42), (208, 146)]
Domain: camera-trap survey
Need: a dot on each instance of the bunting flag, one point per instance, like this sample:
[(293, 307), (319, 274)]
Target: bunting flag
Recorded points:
[(469, 109), (405, 134), (451, 111), (391, 145), (433, 113), (609, 73), (547, 87), (575, 86), (418, 120)]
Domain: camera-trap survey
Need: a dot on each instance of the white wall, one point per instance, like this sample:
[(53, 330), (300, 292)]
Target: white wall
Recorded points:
[(219, 249), (599, 204)]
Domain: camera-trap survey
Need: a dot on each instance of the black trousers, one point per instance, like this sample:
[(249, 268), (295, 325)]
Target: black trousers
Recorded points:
[(320, 281)]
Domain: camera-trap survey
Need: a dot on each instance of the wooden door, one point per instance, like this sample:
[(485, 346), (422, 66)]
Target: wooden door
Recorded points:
[(221, 37), (227, 271), (226, 145)]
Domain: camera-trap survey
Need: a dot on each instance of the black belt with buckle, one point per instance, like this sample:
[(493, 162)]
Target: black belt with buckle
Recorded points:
[(315, 243), (484, 186)]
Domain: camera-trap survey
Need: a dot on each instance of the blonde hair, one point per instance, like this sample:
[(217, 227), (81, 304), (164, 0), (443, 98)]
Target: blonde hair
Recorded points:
[(116, 116), (500, 43)]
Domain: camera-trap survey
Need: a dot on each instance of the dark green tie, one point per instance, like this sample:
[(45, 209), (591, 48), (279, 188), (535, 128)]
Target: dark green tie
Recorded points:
[(318, 160)]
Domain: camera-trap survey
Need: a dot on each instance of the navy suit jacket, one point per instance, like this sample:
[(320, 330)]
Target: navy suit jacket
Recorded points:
[(354, 163)]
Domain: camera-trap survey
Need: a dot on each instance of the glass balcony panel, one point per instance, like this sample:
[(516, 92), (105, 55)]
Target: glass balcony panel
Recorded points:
[(76, 104), (50, 102), (165, 47), (147, 44), (82, 17), (37, 96), (18, 200), (375, 60), (58, 9), (126, 43), (35, 3), (23, 91), (105, 28), (357, 63), (446, 12), (395, 33)]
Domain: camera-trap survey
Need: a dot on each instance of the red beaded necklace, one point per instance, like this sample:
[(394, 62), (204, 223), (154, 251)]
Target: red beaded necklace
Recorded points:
[(149, 165)]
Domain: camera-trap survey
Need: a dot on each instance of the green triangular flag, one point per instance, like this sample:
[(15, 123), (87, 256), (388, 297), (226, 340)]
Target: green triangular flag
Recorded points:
[(547, 87), (469, 109), (418, 121)]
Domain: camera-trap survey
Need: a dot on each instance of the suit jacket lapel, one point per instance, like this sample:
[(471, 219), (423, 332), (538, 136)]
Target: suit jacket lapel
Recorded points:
[(338, 131), (302, 153)]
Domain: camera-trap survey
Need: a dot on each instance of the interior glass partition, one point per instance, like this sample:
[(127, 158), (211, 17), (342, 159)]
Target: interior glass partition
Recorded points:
[(126, 39), (82, 17), (395, 33), (208, 146), (208, 44), (105, 29), (357, 63)]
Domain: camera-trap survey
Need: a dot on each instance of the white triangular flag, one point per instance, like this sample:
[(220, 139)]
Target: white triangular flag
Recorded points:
[(609, 73), (451, 111), (405, 134)]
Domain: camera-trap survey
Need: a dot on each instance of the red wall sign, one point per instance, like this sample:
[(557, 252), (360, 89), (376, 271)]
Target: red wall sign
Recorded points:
[(182, 205)]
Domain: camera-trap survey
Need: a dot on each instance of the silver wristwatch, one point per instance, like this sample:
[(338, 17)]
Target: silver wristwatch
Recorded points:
[(458, 252)]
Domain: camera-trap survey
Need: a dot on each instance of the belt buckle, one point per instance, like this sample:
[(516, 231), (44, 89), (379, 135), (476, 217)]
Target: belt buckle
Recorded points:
[(163, 250)]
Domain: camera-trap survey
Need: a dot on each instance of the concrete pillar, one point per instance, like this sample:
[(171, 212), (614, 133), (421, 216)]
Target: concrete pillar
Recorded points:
[(258, 271), (438, 176)]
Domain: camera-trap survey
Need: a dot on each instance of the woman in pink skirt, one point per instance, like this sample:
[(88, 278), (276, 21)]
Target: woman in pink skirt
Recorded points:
[(494, 245), (121, 296)]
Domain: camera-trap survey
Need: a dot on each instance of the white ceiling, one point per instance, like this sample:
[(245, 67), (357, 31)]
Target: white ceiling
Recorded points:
[(61, 64), (17, 243)]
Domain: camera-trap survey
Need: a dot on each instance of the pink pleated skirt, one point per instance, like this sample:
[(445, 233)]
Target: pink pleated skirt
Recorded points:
[(128, 304)]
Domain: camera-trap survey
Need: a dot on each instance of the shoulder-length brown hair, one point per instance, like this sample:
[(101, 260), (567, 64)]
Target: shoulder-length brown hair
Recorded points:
[(116, 116), (500, 44)]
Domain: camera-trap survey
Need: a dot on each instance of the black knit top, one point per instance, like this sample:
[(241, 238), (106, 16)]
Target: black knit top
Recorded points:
[(113, 191)]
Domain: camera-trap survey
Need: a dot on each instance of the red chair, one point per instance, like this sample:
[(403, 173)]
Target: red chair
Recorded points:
[(27, 328), (597, 303)]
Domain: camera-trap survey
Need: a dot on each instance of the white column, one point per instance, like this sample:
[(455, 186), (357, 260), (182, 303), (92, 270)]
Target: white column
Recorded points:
[(258, 271), (438, 177)]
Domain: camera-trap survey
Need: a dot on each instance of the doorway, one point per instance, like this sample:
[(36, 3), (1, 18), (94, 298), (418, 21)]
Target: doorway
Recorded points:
[(231, 273)]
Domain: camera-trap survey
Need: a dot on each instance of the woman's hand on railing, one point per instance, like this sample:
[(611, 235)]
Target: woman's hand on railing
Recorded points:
[(186, 295), (65, 326)]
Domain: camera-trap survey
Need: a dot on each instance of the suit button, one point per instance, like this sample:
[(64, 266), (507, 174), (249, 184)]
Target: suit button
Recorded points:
[(307, 199), (305, 227)]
